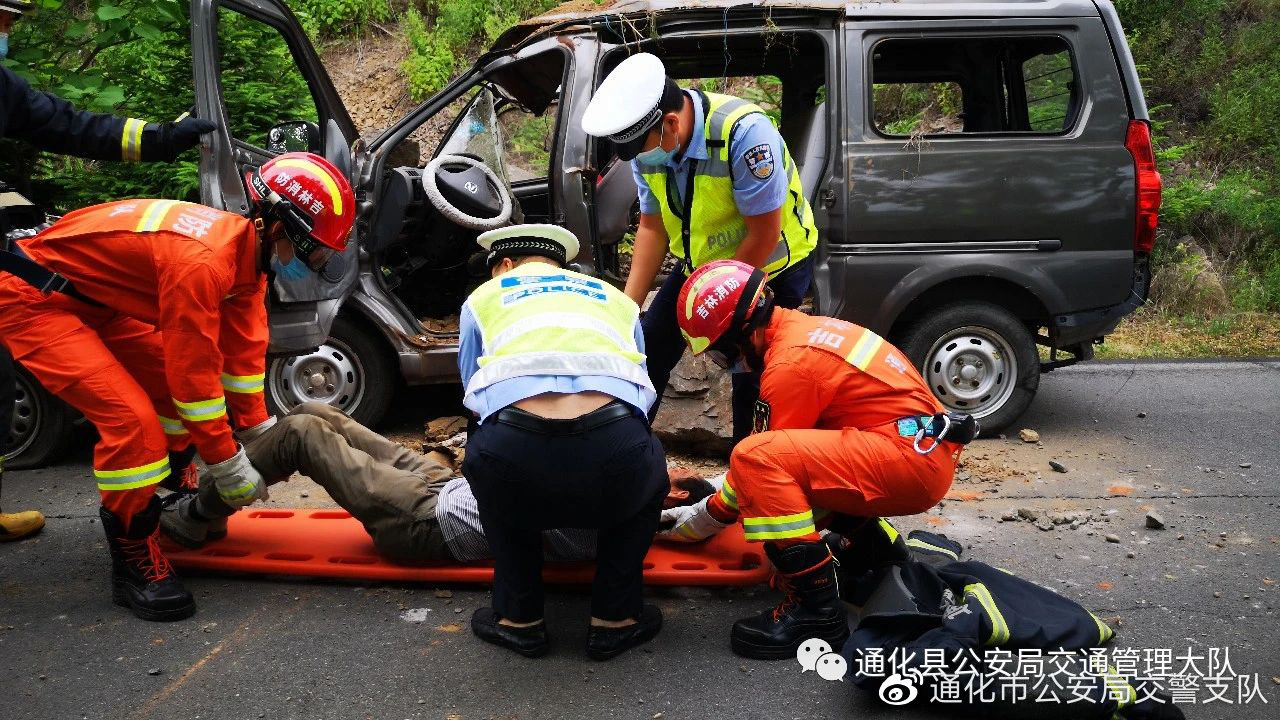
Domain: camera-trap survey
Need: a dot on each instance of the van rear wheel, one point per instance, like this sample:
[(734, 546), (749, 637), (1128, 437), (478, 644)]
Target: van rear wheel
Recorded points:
[(978, 359)]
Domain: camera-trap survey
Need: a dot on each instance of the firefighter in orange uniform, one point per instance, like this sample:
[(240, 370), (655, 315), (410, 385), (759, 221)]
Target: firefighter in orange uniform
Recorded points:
[(844, 428), (149, 317)]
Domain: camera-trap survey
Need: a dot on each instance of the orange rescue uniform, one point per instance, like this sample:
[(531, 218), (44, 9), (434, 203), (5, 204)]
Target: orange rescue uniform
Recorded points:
[(181, 339), (826, 437)]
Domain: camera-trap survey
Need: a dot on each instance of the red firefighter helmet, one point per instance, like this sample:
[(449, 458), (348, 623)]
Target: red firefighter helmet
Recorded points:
[(718, 298), (310, 197)]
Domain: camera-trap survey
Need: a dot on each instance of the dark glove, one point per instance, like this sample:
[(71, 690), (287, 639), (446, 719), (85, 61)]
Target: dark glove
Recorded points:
[(164, 141)]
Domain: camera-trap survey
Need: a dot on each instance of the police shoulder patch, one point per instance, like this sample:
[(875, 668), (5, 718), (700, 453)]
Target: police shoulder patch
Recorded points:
[(760, 160)]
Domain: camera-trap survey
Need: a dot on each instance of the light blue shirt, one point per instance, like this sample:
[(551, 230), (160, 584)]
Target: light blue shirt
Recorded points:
[(512, 390), (752, 194)]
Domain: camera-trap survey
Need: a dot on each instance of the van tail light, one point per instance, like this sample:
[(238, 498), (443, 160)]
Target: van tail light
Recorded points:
[(1138, 142)]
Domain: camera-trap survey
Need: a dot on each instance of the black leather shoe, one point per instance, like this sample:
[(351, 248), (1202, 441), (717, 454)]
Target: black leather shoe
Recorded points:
[(528, 641), (604, 643)]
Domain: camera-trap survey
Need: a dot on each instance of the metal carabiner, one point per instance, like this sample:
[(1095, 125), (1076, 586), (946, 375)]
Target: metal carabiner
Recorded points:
[(937, 439)]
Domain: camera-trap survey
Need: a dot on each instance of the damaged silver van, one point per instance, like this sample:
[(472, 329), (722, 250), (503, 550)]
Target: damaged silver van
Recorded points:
[(981, 174)]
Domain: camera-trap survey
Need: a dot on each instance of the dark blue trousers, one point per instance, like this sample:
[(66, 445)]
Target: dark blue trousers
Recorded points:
[(664, 345)]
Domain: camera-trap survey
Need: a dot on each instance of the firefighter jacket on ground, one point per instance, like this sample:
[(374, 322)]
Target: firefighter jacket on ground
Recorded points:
[(931, 617), (715, 227)]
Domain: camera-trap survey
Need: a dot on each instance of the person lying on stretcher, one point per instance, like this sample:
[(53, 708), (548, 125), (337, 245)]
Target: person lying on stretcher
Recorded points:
[(415, 509)]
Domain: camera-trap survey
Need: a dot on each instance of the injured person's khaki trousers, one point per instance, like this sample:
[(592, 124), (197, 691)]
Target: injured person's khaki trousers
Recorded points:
[(388, 488)]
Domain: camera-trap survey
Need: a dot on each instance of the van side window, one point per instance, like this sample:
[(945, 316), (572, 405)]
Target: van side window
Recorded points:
[(957, 86)]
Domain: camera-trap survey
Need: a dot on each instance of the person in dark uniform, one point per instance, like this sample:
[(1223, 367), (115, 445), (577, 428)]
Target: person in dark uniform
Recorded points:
[(553, 365), (53, 124)]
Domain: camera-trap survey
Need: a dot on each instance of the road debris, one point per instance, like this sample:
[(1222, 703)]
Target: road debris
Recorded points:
[(1029, 436), (1113, 538), (1057, 466), (443, 428), (1154, 521)]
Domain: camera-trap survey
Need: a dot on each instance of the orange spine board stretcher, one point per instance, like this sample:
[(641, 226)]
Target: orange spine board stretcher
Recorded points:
[(332, 544)]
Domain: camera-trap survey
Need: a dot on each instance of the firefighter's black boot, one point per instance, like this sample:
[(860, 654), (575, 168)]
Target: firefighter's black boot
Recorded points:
[(141, 577), (811, 608), (862, 546)]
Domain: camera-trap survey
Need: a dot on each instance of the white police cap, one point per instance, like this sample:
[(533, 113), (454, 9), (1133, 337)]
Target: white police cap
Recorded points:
[(551, 241), (626, 105)]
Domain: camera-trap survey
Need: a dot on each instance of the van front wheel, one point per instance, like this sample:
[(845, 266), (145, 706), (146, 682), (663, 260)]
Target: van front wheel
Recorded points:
[(352, 371), (977, 358)]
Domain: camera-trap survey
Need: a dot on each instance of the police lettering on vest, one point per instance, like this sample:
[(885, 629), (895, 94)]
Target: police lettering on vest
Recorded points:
[(541, 320), (715, 227)]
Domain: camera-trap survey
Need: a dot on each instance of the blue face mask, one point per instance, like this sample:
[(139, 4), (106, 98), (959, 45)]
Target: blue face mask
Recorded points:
[(4, 45), (292, 270), (658, 156)]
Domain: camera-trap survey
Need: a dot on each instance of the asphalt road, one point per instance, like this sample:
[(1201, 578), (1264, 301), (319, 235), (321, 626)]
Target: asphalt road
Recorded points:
[(1175, 438)]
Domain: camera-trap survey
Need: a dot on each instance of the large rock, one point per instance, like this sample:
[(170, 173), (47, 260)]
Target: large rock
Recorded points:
[(697, 414)]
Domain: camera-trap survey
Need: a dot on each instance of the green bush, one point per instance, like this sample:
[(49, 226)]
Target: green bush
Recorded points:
[(337, 16), (458, 28)]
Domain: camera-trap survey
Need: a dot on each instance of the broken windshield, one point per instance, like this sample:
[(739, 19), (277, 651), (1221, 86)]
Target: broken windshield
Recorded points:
[(479, 135)]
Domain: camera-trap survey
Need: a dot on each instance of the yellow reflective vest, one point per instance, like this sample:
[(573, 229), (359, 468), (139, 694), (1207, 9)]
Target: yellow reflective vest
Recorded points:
[(713, 228), (538, 319)]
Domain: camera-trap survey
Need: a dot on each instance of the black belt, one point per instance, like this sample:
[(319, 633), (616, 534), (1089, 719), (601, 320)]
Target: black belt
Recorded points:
[(46, 281), (515, 417)]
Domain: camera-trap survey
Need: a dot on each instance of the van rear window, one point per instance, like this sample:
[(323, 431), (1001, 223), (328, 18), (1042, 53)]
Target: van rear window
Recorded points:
[(957, 86)]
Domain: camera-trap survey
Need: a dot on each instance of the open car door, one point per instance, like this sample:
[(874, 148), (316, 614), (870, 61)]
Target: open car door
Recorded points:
[(253, 56)]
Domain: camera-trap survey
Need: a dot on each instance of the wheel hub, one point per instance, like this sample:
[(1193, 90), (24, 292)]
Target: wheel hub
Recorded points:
[(26, 419), (972, 370), (331, 374)]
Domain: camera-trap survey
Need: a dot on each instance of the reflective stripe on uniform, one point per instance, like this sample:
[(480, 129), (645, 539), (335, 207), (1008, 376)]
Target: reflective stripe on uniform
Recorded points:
[(134, 477), (243, 383), (201, 410), (153, 216), (1120, 690), (172, 426), (131, 140), (922, 545), (728, 495), (565, 320), (999, 628), (779, 528), (889, 529), (1105, 632), (864, 350)]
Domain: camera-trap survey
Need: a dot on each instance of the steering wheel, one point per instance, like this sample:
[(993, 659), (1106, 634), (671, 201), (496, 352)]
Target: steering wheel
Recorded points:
[(467, 192)]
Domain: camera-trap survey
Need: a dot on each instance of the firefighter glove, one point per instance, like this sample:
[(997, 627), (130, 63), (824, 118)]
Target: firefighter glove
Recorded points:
[(250, 434), (165, 141), (689, 523), (239, 483)]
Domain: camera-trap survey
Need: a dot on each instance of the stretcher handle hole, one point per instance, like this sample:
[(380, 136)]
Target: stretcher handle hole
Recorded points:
[(330, 515), (649, 566), (289, 556), (226, 552), (271, 514), (354, 560), (689, 566), (750, 561)]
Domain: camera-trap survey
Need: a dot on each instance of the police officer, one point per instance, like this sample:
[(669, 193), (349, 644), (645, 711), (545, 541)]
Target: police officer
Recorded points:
[(554, 369), (51, 123), (715, 182)]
